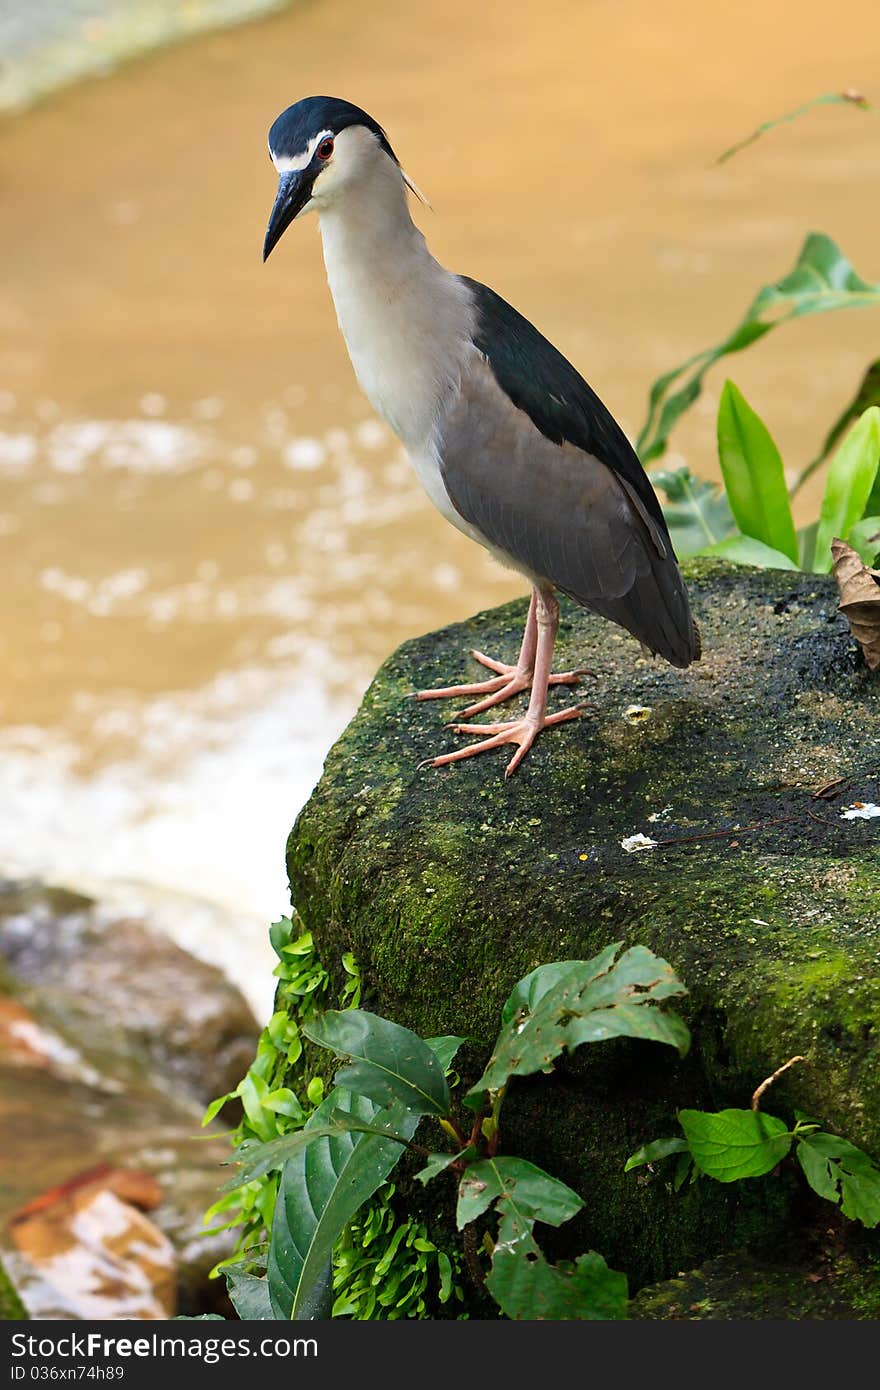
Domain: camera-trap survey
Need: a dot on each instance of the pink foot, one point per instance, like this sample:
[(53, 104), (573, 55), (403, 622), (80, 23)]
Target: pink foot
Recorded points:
[(508, 681), (522, 732)]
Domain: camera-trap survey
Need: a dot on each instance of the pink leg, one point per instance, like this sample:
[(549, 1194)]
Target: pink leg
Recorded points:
[(524, 731), (508, 680)]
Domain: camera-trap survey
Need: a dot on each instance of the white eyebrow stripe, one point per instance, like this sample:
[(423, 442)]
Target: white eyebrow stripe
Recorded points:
[(291, 164)]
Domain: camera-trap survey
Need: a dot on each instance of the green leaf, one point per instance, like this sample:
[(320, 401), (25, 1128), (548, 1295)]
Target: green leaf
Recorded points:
[(256, 1158), (386, 1063), (697, 512), (525, 1285), (530, 990), (744, 550), (848, 485), (733, 1144), (843, 1174), (518, 1185), (445, 1049), (821, 280), (216, 1106), (854, 99), (754, 478), (249, 1294), (654, 1152), (594, 1000), (280, 933), (865, 538), (321, 1188), (867, 394), (438, 1163)]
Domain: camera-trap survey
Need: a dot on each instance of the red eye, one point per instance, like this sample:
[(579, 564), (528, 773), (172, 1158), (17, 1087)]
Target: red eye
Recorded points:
[(325, 149)]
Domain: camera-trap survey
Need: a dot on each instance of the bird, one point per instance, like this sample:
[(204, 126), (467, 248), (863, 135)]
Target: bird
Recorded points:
[(510, 443)]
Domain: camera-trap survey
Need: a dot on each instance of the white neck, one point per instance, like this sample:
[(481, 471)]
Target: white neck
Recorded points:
[(406, 321)]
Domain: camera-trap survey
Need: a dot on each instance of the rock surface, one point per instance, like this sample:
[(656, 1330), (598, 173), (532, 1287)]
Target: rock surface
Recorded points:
[(449, 886), (111, 1040)]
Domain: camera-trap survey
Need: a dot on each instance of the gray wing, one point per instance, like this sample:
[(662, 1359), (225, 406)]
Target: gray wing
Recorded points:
[(562, 516)]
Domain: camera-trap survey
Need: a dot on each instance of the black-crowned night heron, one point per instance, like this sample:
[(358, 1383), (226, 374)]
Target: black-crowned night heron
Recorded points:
[(508, 440)]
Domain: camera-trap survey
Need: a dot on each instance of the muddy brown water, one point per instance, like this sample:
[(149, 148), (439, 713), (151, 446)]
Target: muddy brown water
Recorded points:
[(207, 543)]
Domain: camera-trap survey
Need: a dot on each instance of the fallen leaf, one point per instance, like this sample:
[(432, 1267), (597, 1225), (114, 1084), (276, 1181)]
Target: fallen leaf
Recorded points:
[(859, 599)]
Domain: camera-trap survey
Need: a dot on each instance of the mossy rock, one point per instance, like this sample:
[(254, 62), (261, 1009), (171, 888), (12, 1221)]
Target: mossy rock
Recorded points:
[(449, 885), (11, 1307), (826, 1276)]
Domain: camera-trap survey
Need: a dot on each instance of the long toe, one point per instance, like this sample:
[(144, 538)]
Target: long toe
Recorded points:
[(520, 732)]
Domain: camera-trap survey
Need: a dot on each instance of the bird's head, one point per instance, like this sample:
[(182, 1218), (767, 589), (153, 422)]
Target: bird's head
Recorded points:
[(320, 147)]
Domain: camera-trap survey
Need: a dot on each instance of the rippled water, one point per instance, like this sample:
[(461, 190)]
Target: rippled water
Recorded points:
[(207, 543)]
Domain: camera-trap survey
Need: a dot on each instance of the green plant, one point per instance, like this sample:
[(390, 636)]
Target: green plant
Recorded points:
[(751, 521), (389, 1268), (728, 1145), (270, 1110), (390, 1081)]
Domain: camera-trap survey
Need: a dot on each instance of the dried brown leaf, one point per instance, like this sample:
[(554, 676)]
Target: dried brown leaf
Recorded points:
[(859, 599)]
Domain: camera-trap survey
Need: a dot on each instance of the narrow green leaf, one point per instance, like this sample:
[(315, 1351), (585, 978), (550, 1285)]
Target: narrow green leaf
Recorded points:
[(744, 550), (438, 1163), (256, 1158), (321, 1188), (528, 1190), (654, 1152), (867, 394), (593, 1000), (754, 478), (821, 280), (848, 486), (386, 1063), (444, 1265), (853, 99), (733, 1144)]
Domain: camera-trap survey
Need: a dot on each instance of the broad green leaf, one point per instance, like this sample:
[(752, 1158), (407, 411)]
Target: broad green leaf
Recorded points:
[(843, 1174), (249, 1294), (733, 1144), (697, 512), (865, 538), (445, 1049), (526, 1286), (517, 1185), (530, 990), (594, 1000), (754, 478), (744, 550), (854, 99), (321, 1188), (848, 486), (818, 1171), (821, 280), (386, 1063), (868, 394), (654, 1152)]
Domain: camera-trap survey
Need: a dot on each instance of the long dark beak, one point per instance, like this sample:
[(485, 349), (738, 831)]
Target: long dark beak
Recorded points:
[(294, 191)]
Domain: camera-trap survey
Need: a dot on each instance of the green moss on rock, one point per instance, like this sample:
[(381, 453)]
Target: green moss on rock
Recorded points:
[(450, 885)]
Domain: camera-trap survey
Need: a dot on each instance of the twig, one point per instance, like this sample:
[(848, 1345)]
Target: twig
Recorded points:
[(770, 1079)]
